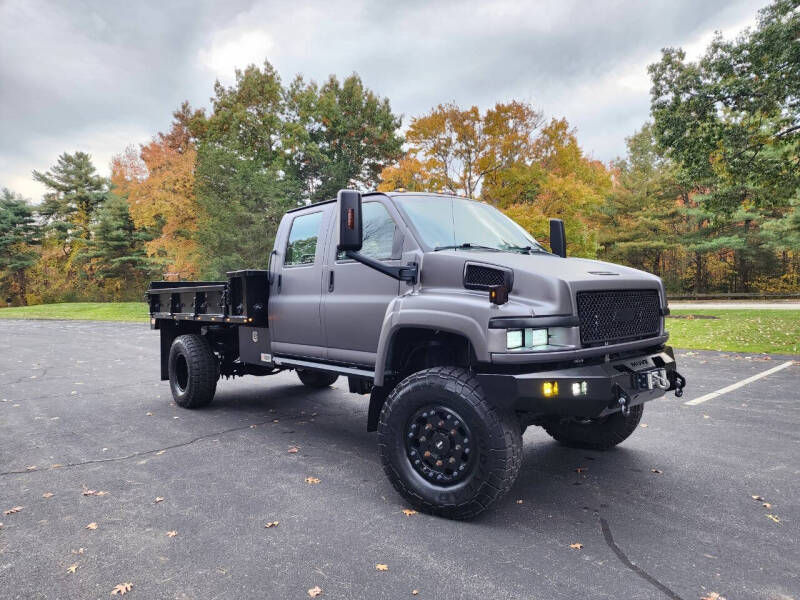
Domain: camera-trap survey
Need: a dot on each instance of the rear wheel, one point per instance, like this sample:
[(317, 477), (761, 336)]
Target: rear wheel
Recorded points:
[(193, 371), (596, 434), (445, 449), (316, 379)]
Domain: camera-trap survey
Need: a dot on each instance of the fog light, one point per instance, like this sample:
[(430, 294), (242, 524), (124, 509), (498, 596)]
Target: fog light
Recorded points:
[(550, 388), (576, 389)]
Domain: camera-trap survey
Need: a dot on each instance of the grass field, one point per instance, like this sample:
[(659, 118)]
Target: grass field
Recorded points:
[(749, 330), (91, 311)]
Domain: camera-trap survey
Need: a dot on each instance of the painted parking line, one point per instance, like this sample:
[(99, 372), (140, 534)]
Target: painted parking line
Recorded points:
[(738, 384)]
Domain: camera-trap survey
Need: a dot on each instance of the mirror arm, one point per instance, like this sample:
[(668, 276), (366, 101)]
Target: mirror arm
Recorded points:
[(407, 273)]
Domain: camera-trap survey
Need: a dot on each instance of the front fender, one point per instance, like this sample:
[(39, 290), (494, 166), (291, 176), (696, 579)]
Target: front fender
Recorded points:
[(465, 314)]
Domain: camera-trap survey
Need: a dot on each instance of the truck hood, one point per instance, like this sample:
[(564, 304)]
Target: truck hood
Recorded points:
[(544, 284)]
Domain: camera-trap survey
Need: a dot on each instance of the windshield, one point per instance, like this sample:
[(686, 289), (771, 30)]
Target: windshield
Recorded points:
[(444, 222)]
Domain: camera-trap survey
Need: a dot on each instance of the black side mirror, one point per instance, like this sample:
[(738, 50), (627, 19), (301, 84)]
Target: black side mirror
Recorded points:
[(558, 239), (351, 235)]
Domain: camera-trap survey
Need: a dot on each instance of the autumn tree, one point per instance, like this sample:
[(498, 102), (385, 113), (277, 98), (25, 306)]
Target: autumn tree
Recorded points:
[(18, 238), (558, 181), (458, 149), (158, 182)]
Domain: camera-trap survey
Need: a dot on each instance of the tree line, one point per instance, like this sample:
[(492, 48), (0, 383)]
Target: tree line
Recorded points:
[(707, 197)]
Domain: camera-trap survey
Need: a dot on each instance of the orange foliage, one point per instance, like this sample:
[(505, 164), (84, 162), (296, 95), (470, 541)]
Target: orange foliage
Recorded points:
[(158, 182)]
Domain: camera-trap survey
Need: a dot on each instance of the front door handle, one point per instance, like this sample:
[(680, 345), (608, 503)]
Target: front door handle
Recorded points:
[(330, 280), (280, 281)]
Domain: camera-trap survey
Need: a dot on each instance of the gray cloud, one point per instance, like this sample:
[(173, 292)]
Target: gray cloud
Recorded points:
[(97, 76)]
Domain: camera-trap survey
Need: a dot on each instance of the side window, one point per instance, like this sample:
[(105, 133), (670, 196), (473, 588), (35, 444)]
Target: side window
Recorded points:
[(379, 229), (301, 248)]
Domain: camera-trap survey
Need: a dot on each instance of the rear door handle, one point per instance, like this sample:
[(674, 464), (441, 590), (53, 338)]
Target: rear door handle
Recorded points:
[(280, 281), (330, 280)]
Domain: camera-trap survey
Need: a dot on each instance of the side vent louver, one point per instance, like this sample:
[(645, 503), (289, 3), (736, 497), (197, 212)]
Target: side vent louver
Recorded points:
[(481, 277)]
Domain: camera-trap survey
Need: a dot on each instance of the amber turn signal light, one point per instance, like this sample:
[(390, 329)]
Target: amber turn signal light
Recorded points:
[(498, 294)]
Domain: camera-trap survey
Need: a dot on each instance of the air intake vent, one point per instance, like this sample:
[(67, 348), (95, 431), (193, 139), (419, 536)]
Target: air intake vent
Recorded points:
[(481, 277)]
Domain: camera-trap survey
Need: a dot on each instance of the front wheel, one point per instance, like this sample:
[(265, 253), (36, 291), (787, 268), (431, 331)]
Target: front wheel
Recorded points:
[(193, 371), (444, 447), (596, 434)]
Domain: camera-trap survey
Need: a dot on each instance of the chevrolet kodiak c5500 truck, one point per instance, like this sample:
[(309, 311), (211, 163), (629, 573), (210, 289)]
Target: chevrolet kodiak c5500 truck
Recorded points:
[(461, 328)]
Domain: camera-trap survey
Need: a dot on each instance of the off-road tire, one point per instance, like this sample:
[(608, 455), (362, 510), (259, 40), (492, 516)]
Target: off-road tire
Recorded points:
[(496, 436), (601, 434), (316, 379), (193, 371)]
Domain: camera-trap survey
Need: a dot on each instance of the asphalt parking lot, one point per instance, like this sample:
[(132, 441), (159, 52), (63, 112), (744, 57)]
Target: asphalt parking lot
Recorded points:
[(669, 514)]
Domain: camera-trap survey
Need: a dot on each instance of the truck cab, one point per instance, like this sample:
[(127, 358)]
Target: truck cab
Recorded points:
[(461, 328)]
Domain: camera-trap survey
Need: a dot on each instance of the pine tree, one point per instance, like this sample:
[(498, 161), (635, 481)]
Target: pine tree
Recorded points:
[(18, 236), (75, 191)]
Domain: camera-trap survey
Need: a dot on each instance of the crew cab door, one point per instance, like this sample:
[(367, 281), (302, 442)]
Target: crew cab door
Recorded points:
[(295, 319), (355, 297)]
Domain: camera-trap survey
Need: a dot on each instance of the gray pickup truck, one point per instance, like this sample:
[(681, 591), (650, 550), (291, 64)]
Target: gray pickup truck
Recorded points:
[(461, 328)]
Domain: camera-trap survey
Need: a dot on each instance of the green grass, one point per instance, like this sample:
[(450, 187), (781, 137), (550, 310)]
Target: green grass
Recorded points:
[(92, 311), (746, 330)]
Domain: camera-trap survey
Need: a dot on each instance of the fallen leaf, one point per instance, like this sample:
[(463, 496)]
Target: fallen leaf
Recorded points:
[(160, 452), (101, 493), (713, 596), (767, 505), (580, 469), (315, 591), (56, 466), (312, 480), (31, 468), (643, 425), (656, 471), (158, 499), (272, 524), (275, 421), (408, 512), (172, 533), (72, 568), (756, 497), (87, 492), (414, 592), (519, 501), (293, 450), (48, 495), (122, 589), (148, 414), (576, 546), (92, 526), (773, 518), (381, 567), (14, 510), (79, 551)]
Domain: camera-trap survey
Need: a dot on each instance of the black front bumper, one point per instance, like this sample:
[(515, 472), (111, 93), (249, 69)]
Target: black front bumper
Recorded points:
[(609, 386)]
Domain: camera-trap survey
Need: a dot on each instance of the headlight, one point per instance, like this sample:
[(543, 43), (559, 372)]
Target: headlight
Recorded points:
[(526, 339)]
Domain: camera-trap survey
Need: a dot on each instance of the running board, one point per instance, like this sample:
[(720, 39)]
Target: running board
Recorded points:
[(309, 364)]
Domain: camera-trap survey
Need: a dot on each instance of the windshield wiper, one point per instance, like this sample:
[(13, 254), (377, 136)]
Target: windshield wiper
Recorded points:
[(466, 246), (526, 249)]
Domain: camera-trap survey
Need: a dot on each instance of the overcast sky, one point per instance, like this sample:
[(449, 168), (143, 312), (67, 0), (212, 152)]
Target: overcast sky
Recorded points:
[(97, 76)]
